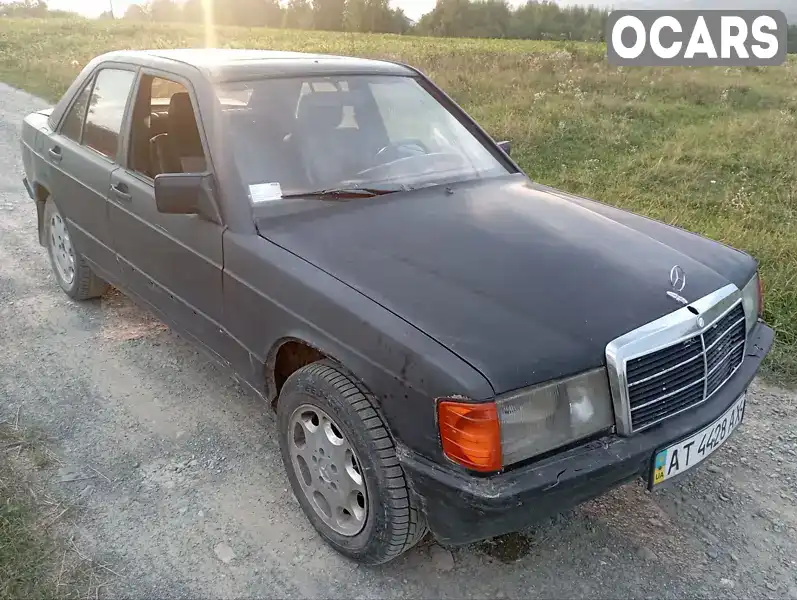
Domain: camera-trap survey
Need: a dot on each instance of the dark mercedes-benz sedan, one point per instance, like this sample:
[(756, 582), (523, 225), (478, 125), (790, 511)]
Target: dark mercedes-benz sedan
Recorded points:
[(448, 345)]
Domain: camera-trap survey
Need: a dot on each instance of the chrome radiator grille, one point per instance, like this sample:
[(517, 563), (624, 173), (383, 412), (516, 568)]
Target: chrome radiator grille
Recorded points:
[(674, 378)]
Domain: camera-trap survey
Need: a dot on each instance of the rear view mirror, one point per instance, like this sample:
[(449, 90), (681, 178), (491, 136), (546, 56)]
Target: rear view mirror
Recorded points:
[(506, 146), (186, 194)]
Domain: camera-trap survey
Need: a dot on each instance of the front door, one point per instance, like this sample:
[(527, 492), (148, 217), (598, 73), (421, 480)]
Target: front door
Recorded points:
[(173, 262)]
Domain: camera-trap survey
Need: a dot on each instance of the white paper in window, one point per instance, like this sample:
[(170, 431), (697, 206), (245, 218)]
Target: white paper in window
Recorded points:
[(265, 192)]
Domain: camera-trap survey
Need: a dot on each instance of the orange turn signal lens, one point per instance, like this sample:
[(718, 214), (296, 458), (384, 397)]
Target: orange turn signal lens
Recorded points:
[(470, 434)]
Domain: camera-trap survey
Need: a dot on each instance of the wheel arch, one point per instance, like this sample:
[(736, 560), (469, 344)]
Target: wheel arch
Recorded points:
[(292, 352), (286, 356)]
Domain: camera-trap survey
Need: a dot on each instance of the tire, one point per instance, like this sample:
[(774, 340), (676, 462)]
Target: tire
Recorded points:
[(71, 270), (393, 522)]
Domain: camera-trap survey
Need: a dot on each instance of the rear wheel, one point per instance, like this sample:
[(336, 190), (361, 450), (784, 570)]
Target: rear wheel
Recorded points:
[(342, 465), (71, 270)]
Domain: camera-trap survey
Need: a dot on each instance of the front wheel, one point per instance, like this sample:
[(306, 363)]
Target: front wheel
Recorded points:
[(72, 272), (342, 465)]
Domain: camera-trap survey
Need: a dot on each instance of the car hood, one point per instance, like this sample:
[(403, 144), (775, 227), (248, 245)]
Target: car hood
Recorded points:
[(522, 281)]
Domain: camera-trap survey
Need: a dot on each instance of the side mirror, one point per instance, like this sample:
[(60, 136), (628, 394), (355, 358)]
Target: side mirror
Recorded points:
[(506, 146), (186, 194)]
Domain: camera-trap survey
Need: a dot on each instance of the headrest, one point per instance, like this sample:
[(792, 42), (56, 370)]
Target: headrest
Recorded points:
[(322, 109), (180, 106), (182, 121), (269, 108)]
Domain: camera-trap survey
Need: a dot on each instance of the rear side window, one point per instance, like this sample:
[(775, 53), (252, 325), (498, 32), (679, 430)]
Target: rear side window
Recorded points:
[(73, 123), (107, 110)]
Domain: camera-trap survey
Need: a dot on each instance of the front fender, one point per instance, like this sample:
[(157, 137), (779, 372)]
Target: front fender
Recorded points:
[(273, 296)]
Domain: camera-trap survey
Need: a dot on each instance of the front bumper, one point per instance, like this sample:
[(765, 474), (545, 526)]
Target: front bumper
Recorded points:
[(460, 508)]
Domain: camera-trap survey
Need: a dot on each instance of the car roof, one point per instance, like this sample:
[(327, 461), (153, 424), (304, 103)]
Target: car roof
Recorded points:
[(232, 64)]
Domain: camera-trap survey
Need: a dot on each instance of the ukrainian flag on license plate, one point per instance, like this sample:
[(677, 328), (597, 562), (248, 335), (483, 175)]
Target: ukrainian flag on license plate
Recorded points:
[(661, 462)]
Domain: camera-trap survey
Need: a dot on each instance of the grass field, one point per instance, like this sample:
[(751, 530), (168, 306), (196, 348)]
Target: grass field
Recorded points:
[(710, 150)]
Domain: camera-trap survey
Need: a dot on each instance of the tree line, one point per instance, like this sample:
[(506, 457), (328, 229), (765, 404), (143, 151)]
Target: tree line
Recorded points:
[(30, 9), (535, 20), (332, 15)]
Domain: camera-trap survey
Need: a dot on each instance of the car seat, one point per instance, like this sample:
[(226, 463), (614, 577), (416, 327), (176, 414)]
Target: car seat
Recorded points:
[(180, 149), (259, 132), (330, 153)]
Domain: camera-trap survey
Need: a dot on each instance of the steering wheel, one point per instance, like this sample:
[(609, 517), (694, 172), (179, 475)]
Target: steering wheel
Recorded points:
[(400, 149)]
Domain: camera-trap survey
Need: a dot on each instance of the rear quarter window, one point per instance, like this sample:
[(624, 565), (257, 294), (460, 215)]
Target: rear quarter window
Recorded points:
[(73, 122)]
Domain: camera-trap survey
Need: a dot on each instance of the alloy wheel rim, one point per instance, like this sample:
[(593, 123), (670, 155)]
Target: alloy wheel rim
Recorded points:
[(61, 248), (328, 470)]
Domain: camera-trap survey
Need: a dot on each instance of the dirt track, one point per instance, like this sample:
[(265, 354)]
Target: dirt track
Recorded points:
[(187, 462)]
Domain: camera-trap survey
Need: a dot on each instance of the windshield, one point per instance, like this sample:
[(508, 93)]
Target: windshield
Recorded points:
[(302, 135)]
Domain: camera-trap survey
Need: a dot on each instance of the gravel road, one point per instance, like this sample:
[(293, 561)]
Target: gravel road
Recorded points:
[(178, 472)]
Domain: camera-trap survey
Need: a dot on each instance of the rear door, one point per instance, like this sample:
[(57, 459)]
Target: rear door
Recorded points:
[(174, 262), (83, 153)]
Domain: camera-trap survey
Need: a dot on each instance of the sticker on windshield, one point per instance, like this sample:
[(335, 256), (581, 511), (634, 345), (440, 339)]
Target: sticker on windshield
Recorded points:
[(265, 192)]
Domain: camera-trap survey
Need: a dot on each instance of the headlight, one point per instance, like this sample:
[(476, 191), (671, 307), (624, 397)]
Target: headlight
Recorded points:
[(752, 300), (554, 414)]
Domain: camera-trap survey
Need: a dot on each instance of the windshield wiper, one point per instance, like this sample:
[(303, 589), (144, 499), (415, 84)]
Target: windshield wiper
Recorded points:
[(346, 193)]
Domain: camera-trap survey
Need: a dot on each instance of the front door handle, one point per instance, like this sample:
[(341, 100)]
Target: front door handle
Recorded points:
[(120, 191), (55, 154)]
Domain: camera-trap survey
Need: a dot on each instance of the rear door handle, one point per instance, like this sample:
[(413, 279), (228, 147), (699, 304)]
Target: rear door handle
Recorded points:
[(120, 191), (55, 154)]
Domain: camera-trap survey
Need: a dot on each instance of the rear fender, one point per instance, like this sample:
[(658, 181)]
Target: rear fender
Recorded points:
[(35, 129)]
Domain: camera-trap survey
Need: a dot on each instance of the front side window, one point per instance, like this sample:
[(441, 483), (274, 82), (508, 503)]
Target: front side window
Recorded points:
[(106, 111), (165, 136), (73, 122), (312, 134)]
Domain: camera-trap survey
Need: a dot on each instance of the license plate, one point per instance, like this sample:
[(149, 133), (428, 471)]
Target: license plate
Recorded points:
[(684, 455)]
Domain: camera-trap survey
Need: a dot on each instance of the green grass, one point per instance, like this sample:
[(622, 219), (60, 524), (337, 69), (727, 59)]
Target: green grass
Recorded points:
[(711, 150)]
